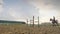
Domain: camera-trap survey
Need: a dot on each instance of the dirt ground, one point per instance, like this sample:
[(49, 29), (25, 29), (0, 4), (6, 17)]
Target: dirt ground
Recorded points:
[(24, 29)]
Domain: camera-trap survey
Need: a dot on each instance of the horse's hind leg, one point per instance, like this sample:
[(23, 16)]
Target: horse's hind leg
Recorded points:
[(57, 24)]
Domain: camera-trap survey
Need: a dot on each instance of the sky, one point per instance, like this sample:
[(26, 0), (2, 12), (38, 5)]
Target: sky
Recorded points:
[(20, 10)]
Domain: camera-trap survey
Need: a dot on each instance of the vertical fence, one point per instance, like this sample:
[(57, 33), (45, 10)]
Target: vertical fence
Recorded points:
[(33, 21), (27, 22), (38, 21)]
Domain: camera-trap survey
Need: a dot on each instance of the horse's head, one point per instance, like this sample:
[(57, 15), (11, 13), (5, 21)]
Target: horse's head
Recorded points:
[(50, 19)]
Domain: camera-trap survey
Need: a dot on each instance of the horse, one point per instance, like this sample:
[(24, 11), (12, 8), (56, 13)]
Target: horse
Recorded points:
[(54, 22)]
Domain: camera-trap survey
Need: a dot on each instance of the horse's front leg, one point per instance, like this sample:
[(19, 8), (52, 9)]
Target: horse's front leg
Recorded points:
[(53, 24)]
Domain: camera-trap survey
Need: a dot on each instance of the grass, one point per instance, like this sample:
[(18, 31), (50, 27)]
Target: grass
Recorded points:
[(24, 29)]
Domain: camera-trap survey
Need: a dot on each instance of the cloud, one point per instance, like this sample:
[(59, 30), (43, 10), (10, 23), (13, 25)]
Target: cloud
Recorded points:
[(15, 13), (1, 6), (46, 4), (27, 8), (47, 8)]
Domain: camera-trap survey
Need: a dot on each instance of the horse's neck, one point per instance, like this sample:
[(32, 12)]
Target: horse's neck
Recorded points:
[(53, 19)]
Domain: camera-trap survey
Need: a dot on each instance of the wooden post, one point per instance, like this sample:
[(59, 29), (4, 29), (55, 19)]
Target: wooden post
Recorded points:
[(38, 21), (33, 21), (30, 22), (27, 22)]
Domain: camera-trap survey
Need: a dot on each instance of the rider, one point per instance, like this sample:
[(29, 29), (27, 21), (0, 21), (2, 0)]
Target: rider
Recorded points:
[(53, 18)]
